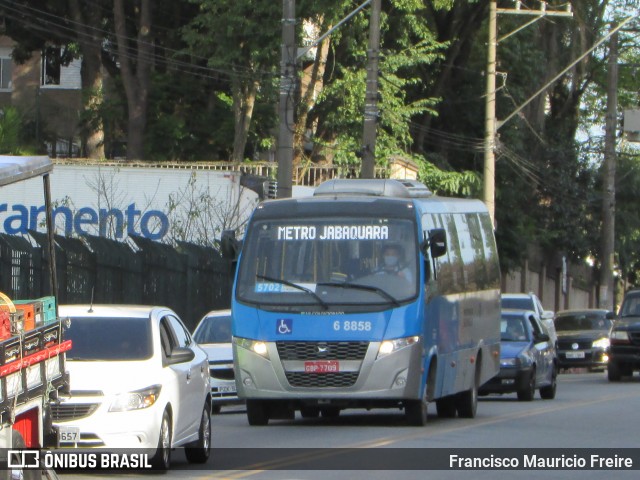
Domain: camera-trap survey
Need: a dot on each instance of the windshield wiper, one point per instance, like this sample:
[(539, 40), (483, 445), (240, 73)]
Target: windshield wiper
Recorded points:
[(294, 285), (359, 286)]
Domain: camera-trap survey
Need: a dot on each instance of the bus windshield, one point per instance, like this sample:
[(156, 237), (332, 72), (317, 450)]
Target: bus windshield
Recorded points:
[(329, 262)]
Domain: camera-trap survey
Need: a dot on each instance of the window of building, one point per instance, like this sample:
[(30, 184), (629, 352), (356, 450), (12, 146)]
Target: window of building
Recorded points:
[(5, 73), (58, 72), (51, 66)]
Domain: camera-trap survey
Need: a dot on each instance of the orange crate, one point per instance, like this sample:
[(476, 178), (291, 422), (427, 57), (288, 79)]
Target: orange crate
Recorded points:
[(29, 315), (5, 325), (38, 313)]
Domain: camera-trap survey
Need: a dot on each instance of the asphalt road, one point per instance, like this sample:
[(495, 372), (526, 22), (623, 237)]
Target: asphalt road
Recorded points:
[(588, 413)]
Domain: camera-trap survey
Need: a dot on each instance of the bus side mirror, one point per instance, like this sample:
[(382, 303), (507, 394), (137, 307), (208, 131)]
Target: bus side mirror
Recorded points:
[(437, 242), (229, 245)]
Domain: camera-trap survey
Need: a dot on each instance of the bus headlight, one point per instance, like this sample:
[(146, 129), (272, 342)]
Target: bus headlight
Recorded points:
[(390, 346), (256, 346)]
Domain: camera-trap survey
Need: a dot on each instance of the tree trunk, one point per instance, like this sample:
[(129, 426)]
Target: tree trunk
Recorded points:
[(136, 75), (92, 130), (309, 93), (244, 99)]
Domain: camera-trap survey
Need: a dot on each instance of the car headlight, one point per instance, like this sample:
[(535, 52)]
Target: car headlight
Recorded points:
[(619, 336), (601, 343), (508, 362), (390, 346), (136, 400), (256, 346)]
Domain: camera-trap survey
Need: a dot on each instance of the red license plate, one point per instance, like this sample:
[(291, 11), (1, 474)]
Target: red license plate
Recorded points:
[(322, 366)]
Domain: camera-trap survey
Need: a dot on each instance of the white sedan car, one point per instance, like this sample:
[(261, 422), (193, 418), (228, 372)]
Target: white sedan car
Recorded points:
[(213, 334), (137, 380)]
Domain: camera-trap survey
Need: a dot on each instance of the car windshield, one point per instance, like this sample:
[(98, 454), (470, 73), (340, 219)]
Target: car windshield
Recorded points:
[(630, 306), (583, 321), (320, 263), (112, 339), (523, 303), (512, 329), (214, 330)]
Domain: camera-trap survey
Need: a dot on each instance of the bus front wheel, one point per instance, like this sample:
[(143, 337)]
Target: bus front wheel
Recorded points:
[(257, 413), (415, 412)]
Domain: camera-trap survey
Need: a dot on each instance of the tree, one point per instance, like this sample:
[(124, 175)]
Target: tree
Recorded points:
[(240, 40)]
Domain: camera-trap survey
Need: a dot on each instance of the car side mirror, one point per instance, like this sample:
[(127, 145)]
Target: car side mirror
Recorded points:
[(229, 245), (180, 355), (610, 316), (542, 337), (546, 315)]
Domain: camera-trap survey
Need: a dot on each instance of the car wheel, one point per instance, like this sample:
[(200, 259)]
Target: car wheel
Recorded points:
[(526, 394), (626, 369), (199, 451), (613, 372), (162, 459), (549, 392), (446, 407), (310, 412), (257, 413), (216, 409)]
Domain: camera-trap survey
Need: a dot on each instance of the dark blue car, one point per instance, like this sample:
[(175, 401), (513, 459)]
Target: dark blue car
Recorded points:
[(528, 360)]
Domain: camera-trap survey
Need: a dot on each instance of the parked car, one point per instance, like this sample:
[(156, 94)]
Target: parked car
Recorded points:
[(624, 352), (530, 301), (583, 338), (527, 358), (213, 334), (137, 380)]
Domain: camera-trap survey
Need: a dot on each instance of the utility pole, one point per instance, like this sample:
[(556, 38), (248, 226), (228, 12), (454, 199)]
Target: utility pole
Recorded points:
[(284, 152), (606, 298), (491, 123), (489, 192), (371, 95)]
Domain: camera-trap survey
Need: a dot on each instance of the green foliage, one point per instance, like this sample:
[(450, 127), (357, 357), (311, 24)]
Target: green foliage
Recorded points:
[(449, 183), (10, 127), (406, 44)]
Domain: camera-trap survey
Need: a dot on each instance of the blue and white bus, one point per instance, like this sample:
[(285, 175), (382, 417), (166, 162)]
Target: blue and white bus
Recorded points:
[(369, 294)]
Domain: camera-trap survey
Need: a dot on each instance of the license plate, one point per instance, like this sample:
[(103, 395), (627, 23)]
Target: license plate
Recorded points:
[(574, 355), (227, 389), (508, 381), (322, 366), (68, 434)]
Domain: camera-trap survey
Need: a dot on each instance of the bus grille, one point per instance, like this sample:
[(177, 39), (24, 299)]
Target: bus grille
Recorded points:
[(322, 380), (322, 350)]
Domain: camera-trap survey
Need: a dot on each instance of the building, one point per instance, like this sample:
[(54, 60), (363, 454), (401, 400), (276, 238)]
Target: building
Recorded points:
[(47, 95)]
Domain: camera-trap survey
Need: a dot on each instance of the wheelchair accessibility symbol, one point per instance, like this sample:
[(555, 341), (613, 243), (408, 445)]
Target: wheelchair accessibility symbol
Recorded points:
[(284, 326)]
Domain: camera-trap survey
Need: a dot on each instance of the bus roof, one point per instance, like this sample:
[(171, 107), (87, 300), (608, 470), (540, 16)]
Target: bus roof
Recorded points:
[(15, 169)]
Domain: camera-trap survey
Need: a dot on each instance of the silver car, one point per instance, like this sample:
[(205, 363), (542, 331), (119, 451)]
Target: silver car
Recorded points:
[(213, 334)]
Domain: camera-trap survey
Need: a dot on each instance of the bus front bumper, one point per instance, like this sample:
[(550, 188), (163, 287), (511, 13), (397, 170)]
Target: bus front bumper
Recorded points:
[(395, 376)]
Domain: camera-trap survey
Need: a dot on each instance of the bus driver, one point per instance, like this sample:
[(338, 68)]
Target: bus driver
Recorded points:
[(392, 262)]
